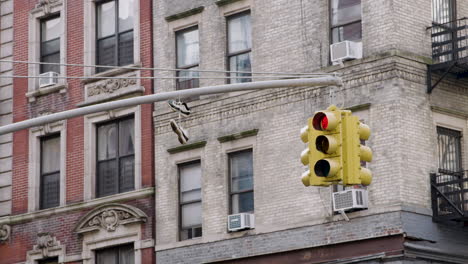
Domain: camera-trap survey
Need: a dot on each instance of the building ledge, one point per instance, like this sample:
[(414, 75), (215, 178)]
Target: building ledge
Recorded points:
[(244, 134), (32, 95), (184, 14), (121, 197), (182, 148)]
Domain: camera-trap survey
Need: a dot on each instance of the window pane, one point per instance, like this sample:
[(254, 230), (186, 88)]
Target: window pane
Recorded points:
[(240, 63), (50, 29), (50, 190), (126, 48), (127, 170), (241, 169), (107, 141), (51, 46), (188, 79), (443, 11), (187, 48), (191, 215), (54, 58), (243, 202), (345, 11), (239, 33), (449, 143), (190, 182), (127, 136), (106, 19), (48, 261), (351, 32), (107, 256), (50, 156), (127, 255), (126, 15), (106, 51), (107, 178)]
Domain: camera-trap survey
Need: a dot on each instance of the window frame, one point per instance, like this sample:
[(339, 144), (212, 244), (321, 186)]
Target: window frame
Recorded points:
[(117, 122), (117, 34), (458, 151), (331, 26), (42, 174), (231, 194), (41, 41), (229, 55), (117, 249), (186, 67), (181, 204)]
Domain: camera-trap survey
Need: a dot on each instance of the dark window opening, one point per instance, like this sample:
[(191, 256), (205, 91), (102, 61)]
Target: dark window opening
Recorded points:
[(114, 34), (115, 157), (50, 172), (241, 182), (239, 47), (116, 255), (190, 200), (50, 44)]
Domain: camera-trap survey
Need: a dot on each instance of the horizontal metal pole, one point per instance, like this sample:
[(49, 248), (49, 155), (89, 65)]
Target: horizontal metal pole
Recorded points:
[(146, 99)]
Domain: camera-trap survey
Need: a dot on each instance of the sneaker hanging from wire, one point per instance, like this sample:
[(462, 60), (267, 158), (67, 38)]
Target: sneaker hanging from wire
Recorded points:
[(181, 133), (180, 107)]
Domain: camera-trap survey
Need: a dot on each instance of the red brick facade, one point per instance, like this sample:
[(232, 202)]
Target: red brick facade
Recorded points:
[(24, 230)]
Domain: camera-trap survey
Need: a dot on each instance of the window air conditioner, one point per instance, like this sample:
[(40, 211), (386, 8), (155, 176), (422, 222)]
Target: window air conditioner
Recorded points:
[(346, 50), (48, 78), (242, 221), (349, 200)]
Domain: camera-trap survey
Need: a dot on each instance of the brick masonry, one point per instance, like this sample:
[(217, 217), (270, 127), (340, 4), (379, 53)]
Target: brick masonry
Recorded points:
[(292, 36)]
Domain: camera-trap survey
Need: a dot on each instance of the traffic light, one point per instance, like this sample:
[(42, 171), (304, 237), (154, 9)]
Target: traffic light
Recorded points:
[(353, 152), (323, 155), (334, 152)]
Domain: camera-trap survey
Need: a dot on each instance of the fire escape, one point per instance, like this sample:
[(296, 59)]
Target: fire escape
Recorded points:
[(449, 193), (449, 51)]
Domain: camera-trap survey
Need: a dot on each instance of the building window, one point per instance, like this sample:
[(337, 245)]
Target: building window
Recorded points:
[(190, 200), (116, 255), (188, 57), (114, 33), (345, 20), (115, 157), (443, 11), (241, 181), (48, 261), (449, 144), (239, 34), (50, 172), (443, 19), (50, 44)]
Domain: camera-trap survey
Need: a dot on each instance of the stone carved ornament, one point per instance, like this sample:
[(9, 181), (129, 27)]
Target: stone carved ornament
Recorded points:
[(45, 5), (44, 242), (109, 217), (5, 231), (111, 85)]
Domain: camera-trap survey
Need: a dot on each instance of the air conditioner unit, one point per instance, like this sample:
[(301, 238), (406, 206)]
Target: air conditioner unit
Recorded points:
[(48, 78), (346, 50), (349, 200), (242, 221)]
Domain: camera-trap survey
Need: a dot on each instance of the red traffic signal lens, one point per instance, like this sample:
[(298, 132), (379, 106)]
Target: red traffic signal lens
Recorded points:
[(320, 121), (322, 168)]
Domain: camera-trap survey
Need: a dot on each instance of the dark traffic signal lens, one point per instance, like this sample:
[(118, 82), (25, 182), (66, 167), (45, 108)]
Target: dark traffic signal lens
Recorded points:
[(322, 168)]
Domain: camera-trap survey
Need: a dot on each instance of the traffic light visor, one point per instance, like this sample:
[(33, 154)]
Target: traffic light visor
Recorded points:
[(326, 144), (324, 121), (326, 168)]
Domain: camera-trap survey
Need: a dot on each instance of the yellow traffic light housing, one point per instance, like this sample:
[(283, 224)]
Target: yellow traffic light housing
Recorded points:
[(334, 152), (323, 154), (353, 152)]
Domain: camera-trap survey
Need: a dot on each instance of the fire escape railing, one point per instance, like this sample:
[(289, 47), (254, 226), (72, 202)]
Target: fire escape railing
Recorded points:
[(449, 50), (449, 193)]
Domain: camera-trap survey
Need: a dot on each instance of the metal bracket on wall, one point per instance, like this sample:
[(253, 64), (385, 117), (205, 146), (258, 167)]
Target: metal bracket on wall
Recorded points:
[(431, 87)]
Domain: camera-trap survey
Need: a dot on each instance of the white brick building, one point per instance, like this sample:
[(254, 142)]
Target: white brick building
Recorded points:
[(387, 88)]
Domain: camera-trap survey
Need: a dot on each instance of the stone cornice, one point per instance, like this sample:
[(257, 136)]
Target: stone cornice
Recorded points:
[(121, 197)]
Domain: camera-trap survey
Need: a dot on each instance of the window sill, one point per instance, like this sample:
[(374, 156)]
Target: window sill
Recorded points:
[(116, 198), (32, 95), (111, 73)]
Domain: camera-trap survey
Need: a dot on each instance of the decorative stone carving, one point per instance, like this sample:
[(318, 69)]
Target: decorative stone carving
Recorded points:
[(110, 86), (109, 217), (46, 5), (5, 231), (44, 242)]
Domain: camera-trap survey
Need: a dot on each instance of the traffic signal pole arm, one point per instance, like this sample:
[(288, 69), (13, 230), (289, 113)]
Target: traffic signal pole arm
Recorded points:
[(146, 99)]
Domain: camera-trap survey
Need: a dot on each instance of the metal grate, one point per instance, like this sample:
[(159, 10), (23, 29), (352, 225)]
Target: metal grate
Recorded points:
[(234, 221), (343, 200), (449, 145), (450, 196)]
